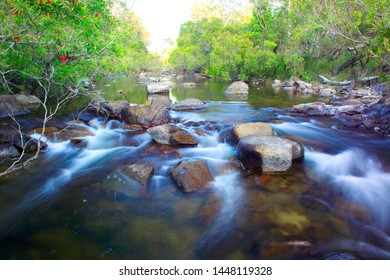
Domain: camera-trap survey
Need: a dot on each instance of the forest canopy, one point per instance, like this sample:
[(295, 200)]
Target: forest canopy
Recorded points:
[(287, 38)]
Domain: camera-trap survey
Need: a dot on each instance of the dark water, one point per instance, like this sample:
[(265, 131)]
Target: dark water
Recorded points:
[(75, 203)]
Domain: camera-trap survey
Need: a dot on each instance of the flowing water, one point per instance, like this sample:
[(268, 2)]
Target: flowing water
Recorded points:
[(77, 203)]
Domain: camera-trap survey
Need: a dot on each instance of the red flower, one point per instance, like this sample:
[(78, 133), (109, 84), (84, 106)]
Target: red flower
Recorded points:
[(14, 11), (97, 15), (48, 2), (17, 39), (63, 58)]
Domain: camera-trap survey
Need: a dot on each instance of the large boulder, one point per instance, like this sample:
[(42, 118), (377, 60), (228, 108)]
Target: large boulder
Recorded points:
[(116, 109), (189, 104), (267, 154), (160, 87), (8, 150), (141, 115), (9, 135), (30, 102), (237, 91), (150, 115), (311, 109), (139, 172), (245, 129), (12, 136), (9, 106), (169, 134), (192, 175)]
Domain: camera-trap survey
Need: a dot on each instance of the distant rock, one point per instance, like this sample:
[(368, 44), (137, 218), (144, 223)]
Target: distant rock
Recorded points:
[(237, 91), (189, 104), (327, 92), (160, 87), (169, 134), (192, 175), (276, 83)]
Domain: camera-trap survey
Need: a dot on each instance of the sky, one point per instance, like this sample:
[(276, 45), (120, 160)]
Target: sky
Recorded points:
[(162, 19)]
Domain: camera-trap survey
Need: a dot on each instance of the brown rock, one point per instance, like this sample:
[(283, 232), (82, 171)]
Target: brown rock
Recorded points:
[(258, 128), (265, 154), (170, 134), (192, 175), (139, 172)]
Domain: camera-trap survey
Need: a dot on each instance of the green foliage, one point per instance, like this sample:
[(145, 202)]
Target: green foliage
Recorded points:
[(294, 38), (47, 39), (55, 43)]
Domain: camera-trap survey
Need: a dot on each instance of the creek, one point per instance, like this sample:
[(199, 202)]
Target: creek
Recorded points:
[(76, 203)]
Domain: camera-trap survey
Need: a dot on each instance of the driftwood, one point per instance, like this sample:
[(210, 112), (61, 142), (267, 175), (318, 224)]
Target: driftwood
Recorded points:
[(366, 80), (324, 80)]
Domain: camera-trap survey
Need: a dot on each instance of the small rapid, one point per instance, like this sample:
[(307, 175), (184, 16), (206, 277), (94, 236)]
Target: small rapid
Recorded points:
[(359, 176)]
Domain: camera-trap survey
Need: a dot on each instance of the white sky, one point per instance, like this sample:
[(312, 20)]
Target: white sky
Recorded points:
[(162, 19)]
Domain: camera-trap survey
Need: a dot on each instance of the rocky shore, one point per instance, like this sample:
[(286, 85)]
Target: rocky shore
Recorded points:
[(363, 105)]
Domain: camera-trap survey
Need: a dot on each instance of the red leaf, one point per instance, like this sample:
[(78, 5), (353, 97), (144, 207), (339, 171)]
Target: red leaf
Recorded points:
[(97, 15), (63, 58), (17, 39)]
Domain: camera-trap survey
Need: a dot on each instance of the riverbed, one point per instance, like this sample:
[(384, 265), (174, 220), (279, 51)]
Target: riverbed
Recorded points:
[(76, 203)]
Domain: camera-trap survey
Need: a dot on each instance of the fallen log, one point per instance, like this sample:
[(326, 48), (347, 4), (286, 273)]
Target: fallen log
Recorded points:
[(324, 80), (364, 81)]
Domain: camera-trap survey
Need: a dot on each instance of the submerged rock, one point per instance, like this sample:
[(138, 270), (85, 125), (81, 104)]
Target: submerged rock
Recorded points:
[(237, 91), (189, 104), (258, 128), (170, 134), (139, 172), (192, 175), (341, 256), (189, 84), (268, 154)]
